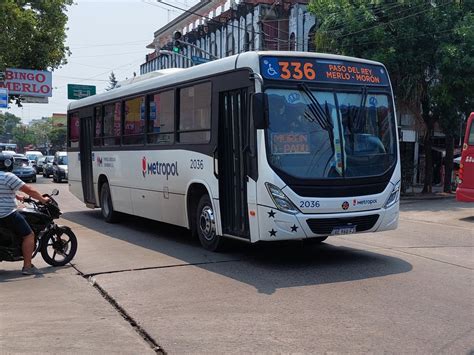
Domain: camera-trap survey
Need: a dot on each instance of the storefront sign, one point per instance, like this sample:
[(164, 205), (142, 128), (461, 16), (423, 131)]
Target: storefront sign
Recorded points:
[(27, 82)]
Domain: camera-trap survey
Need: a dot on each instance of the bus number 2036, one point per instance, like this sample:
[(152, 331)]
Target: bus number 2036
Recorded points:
[(197, 164), (310, 204)]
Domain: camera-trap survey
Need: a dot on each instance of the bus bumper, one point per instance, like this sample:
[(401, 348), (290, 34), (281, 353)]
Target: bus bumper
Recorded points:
[(464, 194), (277, 225)]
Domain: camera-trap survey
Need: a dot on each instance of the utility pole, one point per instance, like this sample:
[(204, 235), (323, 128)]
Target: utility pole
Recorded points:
[(174, 55), (178, 44)]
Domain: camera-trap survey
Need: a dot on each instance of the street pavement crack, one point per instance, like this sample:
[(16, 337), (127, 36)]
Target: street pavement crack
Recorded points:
[(123, 313)]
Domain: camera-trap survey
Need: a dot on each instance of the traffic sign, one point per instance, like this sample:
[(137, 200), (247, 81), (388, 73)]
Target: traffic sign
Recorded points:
[(199, 60), (76, 92), (3, 98)]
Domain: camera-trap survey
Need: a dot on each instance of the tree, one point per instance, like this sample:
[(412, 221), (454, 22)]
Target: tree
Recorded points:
[(112, 82), (453, 96), (23, 136), (42, 131), (408, 37), (33, 34), (57, 138), (8, 122)]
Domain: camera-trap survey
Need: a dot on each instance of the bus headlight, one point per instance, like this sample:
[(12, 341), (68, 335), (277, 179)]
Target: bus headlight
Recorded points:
[(393, 198), (282, 202)]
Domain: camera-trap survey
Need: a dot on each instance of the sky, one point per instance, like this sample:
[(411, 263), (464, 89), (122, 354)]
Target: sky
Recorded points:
[(103, 36)]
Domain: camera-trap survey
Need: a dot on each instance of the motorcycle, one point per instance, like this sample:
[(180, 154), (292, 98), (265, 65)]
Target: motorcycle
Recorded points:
[(57, 244)]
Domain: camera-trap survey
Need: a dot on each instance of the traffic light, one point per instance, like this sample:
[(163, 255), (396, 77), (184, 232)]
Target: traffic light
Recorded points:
[(177, 45)]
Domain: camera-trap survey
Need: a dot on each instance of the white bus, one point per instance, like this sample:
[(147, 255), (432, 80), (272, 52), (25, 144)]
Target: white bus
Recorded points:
[(257, 146)]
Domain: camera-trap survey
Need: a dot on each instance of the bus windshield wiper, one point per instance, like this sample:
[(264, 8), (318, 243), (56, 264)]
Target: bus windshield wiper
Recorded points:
[(316, 112), (322, 117), (363, 102)]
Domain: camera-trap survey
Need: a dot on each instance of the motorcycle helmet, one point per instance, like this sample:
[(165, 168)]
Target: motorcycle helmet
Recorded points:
[(6, 162)]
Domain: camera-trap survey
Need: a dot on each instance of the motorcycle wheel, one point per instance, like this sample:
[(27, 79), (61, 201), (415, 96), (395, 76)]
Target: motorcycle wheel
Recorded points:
[(59, 247)]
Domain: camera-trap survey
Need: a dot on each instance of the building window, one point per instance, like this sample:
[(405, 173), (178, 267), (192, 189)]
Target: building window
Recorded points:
[(292, 42), (230, 44), (246, 42), (213, 48), (161, 118), (311, 39), (195, 114)]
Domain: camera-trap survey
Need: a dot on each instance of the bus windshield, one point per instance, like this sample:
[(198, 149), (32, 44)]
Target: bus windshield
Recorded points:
[(316, 134)]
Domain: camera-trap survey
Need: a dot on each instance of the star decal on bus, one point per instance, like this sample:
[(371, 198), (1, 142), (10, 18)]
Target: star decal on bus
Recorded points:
[(271, 214), (272, 233), (294, 228)]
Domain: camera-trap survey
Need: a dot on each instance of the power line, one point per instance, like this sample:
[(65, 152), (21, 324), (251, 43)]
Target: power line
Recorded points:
[(136, 43), (103, 73), (442, 33), (104, 55), (389, 22), (360, 17)]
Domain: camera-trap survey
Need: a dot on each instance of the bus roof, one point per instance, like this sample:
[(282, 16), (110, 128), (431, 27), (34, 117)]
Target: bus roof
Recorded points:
[(163, 78)]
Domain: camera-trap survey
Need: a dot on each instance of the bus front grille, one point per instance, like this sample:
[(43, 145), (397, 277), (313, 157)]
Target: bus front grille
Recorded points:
[(326, 225)]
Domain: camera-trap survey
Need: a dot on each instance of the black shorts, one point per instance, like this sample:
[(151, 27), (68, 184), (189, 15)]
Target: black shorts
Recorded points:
[(17, 224)]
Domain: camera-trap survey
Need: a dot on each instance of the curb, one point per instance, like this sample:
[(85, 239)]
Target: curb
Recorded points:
[(432, 196)]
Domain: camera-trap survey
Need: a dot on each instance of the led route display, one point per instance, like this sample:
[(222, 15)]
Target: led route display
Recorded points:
[(324, 71)]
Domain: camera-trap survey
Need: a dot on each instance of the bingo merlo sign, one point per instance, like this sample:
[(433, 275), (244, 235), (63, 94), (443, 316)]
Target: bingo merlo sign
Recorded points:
[(323, 71)]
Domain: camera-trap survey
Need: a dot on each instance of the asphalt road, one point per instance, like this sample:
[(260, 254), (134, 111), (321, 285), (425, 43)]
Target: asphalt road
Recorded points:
[(404, 291)]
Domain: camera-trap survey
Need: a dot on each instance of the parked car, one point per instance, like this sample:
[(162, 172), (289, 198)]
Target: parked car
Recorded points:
[(33, 156), (40, 164), (22, 168), (60, 167), (48, 166)]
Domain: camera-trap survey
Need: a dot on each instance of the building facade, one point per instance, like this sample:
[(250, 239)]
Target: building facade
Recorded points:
[(220, 28)]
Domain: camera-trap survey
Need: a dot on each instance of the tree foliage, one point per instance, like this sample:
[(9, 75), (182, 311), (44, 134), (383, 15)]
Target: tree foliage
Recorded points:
[(425, 44), (8, 122), (57, 138), (33, 33), (112, 82)]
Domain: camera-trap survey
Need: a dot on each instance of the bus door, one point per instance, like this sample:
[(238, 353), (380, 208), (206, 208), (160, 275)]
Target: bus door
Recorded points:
[(231, 153), (85, 148)]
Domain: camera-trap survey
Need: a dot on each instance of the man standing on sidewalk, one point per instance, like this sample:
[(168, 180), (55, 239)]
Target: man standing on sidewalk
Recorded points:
[(9, 216)]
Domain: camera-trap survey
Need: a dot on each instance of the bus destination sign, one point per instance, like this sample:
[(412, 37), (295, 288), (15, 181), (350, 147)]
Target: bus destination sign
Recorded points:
[(323, 71)]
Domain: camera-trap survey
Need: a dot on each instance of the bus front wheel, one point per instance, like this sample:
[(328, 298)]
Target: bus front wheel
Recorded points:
[(106, 206), (206, 226)]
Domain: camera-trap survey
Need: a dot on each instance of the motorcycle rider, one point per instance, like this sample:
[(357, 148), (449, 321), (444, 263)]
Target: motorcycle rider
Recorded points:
[(9, 216)]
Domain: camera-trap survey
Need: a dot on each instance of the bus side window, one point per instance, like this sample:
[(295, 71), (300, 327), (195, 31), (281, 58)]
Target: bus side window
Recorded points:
[(98, 123), (195, 114), (160, 122), (112, 124), (73, 129), (470, 138), (134, 121)]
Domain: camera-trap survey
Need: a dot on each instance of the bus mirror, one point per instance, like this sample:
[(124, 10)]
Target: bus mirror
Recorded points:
[(259, 110)]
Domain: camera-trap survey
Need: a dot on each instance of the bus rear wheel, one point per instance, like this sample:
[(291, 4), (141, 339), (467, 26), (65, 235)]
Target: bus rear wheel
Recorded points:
[(206, 226), (106, 206)]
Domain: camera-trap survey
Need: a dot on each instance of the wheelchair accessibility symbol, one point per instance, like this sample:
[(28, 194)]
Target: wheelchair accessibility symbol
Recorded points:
[(270, 68)]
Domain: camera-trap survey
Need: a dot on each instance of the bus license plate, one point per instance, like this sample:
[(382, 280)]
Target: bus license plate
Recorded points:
[(343, 230)]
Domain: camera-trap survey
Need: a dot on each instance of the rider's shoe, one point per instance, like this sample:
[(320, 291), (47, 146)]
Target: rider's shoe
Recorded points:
[(32, 270)]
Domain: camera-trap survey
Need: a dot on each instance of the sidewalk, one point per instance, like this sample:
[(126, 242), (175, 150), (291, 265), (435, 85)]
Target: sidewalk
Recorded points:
[(414, 193), (59, 312)]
